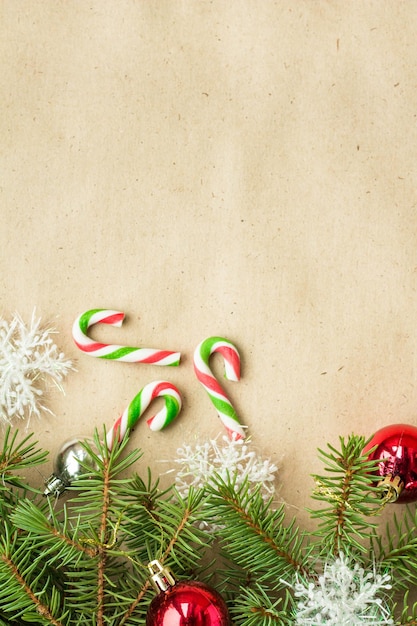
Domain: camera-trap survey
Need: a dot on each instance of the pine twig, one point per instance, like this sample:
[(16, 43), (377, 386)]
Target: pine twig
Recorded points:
[(350, 494), (253, 607), (40, 608), (158, 515), (102, 545), (396, 550), (275, 547)]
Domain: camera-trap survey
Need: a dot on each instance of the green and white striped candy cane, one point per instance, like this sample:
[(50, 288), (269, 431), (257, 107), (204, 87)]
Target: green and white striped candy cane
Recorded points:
[(140, 403)]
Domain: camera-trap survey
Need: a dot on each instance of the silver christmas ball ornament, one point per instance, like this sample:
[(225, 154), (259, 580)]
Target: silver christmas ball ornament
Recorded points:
[(70, 463)]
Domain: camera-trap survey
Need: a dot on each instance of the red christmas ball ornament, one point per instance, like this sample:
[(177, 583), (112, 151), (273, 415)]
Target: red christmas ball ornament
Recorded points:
[(396, 448), (184, 603)]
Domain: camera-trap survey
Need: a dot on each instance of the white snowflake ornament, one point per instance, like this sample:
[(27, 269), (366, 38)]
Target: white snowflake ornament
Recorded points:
[(344, 595), (28, 356), (199, 466)]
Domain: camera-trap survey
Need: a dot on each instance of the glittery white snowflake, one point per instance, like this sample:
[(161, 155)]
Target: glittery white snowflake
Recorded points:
[(344, 595), (27, 356), (200, 465)]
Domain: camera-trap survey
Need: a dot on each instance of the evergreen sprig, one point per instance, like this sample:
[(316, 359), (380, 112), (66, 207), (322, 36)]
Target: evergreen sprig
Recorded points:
[(350, 493), (254, 535), (255, 607), (16, 456), (396, 550), (263, 549), (83, 558), (84, 561)]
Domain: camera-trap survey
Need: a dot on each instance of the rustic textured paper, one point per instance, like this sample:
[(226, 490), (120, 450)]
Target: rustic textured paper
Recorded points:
[(236, 168)]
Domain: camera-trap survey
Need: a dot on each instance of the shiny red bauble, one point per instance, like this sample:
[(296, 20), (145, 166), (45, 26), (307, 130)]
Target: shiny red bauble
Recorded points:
[(396, 448), (188, 603)]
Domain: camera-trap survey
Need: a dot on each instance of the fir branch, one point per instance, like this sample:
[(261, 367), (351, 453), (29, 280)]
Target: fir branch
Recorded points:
[(16, 456), (98, 492), (178, 520), (396, 551), (102, 545), (23, 582), (408, 615), (83, 559), (43, 610), (253, 607), (141, 593), (350, 494), (176, 541), (254, 535), (54, 537), (175, 537)]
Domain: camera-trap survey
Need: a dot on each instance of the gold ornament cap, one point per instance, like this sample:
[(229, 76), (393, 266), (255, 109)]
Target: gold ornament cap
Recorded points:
[(162, 578), (392, 487)]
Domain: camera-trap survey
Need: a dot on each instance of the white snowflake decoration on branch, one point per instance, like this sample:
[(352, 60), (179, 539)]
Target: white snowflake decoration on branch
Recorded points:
[(28, 356), (343, 595), (200, 465)]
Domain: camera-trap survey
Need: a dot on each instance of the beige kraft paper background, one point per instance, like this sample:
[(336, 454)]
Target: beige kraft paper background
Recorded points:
[(236, 168)]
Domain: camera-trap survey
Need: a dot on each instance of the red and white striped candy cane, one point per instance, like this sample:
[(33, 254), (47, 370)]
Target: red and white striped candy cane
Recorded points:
[(140, 403), (222, 404), (113, 351)]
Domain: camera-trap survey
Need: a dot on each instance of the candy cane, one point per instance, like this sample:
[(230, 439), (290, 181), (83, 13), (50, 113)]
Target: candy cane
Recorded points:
[(223, 406), (140, 403), (111, 351)]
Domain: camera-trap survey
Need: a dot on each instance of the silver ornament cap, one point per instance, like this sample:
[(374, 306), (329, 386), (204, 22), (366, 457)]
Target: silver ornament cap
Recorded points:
[(69, 465)]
